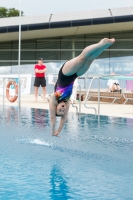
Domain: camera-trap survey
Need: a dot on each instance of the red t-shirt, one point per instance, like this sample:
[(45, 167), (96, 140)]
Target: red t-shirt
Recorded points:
[(39, 67)]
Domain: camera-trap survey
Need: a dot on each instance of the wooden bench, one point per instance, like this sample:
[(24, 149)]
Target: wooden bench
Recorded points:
[(108, 97)]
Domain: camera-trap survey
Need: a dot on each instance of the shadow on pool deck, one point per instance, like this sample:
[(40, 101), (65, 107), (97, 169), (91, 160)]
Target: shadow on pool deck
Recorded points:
[(117, 110)]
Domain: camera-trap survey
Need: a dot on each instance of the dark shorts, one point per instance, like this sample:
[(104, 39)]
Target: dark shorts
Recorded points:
[(40, 81)]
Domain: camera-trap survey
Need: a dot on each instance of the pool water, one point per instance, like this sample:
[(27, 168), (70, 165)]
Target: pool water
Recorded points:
[(93, 159)]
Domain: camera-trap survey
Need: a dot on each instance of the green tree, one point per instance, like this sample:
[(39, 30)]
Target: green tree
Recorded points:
[(3, 12), (11, 12)]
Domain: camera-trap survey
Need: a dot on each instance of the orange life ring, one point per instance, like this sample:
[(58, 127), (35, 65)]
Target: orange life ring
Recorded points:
[(12, 98)]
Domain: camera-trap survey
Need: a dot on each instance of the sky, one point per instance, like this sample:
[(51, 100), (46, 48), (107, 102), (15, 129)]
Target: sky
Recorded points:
[(42, 7)]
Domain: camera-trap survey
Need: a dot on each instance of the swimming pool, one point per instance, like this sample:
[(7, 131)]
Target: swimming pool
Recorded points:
[(91, 160)]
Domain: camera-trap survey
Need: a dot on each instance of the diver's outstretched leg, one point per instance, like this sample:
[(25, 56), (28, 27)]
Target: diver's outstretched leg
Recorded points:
[(88, 54)]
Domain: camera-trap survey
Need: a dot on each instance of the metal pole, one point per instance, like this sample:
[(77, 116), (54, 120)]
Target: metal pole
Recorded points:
[(79, 99), (87, 97), (19, 56), (73, 48), (3, 91), (76, 108), (85, 83), (98, 96)]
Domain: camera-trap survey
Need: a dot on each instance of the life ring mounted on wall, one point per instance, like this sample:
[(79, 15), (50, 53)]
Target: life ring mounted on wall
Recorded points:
[(9, 97)]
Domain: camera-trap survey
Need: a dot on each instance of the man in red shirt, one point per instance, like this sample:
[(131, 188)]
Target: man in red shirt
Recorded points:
[(40, 70)]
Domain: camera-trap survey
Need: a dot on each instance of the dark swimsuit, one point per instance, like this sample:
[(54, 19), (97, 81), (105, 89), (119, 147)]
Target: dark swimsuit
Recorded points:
[(64, 85)]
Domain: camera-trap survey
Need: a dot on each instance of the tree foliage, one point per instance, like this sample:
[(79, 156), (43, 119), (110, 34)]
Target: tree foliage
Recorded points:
[(11, 12)]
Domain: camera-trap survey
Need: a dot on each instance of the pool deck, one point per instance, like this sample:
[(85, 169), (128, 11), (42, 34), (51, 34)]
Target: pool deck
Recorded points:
[(116, 110)]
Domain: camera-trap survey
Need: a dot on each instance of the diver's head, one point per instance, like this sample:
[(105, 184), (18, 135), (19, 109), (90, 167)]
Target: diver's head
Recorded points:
[(60, 109)]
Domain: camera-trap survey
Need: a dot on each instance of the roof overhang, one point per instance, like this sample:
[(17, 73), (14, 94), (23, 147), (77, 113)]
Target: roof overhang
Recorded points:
[(47, 27)]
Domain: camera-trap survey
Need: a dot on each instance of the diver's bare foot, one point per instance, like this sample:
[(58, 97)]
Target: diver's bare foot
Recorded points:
[(107, 42)]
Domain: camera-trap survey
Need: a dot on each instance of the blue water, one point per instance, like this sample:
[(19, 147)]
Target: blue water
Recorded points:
[(93, 159)]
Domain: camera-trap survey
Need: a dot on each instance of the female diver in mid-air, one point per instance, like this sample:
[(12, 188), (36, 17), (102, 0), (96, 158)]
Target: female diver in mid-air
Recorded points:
[(59, 102)]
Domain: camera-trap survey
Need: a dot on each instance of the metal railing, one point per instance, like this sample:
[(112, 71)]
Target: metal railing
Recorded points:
[(93, 92), (107, 94), (128, 96), (88, 93), (78, 112)]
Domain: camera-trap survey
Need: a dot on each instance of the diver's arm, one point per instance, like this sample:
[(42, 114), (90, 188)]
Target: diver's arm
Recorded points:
[(52, 107), (63, 119)]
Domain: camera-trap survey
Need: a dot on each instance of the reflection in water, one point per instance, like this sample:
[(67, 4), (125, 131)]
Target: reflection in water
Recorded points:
[(39, 117), (12, 114), (129, 121), (59, 189), (34, 116)]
